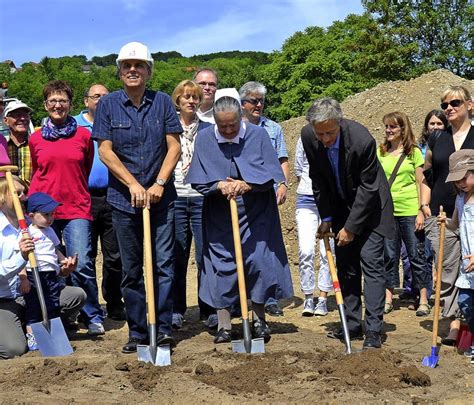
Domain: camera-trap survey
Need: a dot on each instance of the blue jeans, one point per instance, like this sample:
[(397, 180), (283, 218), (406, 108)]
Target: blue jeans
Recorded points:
[(415, 247), (129, 228), (407, 272), (466, 305), (188, 225), (76, 234)]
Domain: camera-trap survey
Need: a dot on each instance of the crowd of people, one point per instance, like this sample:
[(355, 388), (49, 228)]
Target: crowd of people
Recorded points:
[(87, 178)]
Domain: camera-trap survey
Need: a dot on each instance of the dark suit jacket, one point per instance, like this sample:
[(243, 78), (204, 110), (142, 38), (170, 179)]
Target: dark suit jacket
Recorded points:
[(367, 203)]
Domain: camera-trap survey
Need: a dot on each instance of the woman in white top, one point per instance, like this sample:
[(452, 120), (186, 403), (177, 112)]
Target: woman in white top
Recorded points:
[(307, 221)]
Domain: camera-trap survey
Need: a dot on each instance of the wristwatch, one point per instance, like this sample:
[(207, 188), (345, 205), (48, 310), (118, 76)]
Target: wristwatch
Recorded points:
[(160, 182), (284, 183), (423, 206)]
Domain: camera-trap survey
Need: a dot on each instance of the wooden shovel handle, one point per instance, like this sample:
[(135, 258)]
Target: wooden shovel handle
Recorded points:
[(149, 285), (332, 269), (238, 258), (439, 271), (18, 208)]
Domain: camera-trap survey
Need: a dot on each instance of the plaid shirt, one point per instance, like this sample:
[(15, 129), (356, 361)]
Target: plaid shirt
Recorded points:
[(20, 156)]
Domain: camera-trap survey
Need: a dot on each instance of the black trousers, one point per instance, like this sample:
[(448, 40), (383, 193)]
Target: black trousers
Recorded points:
[(363, 256), (112, 265)]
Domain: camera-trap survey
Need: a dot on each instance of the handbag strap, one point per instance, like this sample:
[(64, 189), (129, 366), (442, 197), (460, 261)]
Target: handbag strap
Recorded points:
[(395, 170)]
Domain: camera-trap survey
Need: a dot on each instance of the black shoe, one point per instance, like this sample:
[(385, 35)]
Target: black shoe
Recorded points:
[(447, 341), (372, 340), (223, 336), (116, 313), (261, 330), (353, 334), (274, 310), (131, 346), (164, 339)]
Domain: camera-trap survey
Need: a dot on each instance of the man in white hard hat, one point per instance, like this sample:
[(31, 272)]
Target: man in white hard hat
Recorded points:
[(16, 117), (207, 79), (138, 135)]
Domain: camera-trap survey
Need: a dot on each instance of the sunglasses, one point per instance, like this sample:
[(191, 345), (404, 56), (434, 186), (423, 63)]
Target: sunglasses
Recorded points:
[(254, 101), (452, 103)]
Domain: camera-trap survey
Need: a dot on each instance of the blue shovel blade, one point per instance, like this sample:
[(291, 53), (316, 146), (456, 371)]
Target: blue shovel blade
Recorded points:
[(53, 342), (431, 361)]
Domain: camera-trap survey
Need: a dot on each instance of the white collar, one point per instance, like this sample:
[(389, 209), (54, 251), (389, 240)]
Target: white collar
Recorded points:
[(4, 222), (236, 139)]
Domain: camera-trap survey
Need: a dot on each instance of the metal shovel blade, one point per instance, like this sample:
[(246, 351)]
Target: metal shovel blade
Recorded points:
[(158, 356), (256, 346), (432, 360), (52, 341)]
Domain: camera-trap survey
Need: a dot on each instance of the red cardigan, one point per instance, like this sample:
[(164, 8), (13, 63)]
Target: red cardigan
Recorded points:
[(61, 169)]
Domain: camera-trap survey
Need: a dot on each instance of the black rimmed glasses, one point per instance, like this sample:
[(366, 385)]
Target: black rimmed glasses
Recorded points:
[(211, 85), (53, 102), (452, 103), (96, 97)]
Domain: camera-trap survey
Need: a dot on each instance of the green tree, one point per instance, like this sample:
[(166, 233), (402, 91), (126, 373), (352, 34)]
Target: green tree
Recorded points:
[(442, 31), (345, 58)]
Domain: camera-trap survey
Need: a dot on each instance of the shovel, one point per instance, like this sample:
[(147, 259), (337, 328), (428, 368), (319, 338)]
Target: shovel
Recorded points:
[(156, 355), (337, 291), (432, 360), (49, 334), (248, 345)]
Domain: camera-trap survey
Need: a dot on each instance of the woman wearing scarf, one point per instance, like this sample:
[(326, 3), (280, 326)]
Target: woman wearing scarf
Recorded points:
[(187, 97), (61, 159), (235, 159)]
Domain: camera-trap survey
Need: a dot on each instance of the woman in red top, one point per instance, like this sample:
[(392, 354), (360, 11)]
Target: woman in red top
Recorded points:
[(61, 158)]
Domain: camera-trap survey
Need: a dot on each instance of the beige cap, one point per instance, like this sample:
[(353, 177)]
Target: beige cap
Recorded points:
[(460, 163)]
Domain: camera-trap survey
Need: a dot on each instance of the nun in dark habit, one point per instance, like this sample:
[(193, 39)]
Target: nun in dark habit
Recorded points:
[(235, 159)]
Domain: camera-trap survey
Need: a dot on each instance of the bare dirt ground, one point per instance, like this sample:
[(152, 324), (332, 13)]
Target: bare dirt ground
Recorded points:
[(300, 364)]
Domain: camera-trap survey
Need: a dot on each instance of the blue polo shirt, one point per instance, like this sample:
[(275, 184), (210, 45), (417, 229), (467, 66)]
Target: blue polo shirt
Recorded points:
[(99, 176), (138, 137)]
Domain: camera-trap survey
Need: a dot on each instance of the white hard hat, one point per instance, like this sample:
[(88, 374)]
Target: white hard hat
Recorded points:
[(135, 50)]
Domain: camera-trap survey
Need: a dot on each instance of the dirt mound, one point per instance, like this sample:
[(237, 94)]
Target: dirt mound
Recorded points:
[(143, 377), (369, 371)]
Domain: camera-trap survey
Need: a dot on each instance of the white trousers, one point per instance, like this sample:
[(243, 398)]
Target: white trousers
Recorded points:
[(307, 221)]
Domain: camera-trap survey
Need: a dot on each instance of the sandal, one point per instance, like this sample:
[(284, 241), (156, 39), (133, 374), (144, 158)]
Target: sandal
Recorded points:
[(388, 308), (423, 310)]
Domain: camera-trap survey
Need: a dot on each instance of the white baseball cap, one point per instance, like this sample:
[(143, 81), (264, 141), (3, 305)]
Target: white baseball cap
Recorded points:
[(15, 105)]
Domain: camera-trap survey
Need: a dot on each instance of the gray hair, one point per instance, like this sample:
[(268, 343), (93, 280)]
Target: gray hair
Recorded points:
[(252, 87), (227, 104), (324, 109)]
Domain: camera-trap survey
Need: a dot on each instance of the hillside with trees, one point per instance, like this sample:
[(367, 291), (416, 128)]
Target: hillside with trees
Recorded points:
[(392, 40)]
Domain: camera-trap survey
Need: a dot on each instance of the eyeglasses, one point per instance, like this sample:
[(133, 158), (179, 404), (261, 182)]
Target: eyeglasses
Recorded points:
[(452, 103), (212, 85), (52, 103), (96, 97), (255, 101)]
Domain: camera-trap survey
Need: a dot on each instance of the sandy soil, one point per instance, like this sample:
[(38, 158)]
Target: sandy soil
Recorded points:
[(300, 364)]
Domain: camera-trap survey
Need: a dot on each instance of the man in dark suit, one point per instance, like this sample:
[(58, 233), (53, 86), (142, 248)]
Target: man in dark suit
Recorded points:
[(353, 199)]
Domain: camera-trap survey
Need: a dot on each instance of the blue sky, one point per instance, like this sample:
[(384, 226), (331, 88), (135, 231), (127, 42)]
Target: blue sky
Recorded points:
[(33, 29)]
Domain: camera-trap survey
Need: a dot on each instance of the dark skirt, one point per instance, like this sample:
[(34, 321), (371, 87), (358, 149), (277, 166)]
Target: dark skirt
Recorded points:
[(266, 268)]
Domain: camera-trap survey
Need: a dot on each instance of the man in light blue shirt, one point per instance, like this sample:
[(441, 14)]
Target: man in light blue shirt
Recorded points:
[(102, 214), (252, 95)]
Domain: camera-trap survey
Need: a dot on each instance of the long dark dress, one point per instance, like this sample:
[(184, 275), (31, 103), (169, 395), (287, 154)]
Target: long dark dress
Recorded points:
[(267, 271)]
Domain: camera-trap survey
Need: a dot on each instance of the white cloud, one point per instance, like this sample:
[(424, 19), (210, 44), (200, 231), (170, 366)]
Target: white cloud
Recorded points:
[(262, 26)]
